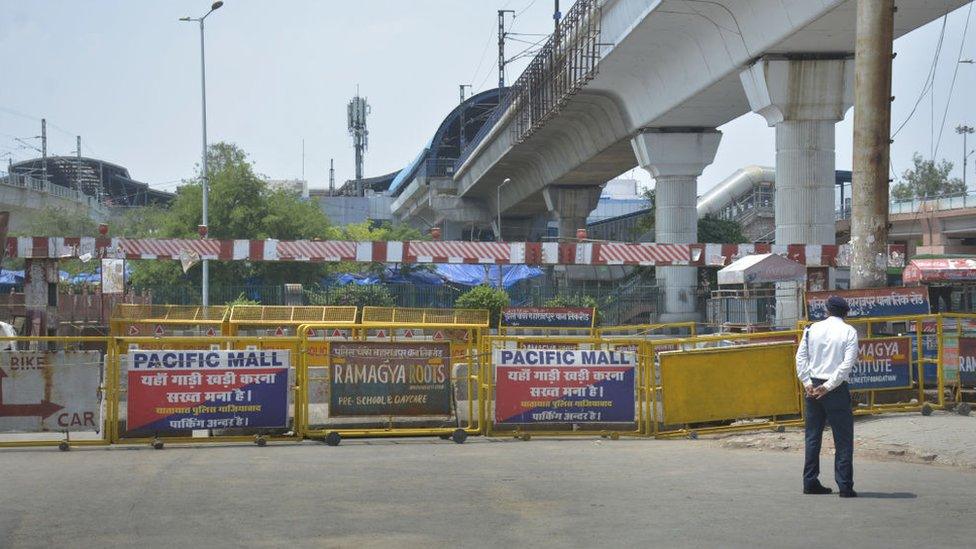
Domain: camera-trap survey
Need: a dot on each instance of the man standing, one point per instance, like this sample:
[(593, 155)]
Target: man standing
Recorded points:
[(824, 359)]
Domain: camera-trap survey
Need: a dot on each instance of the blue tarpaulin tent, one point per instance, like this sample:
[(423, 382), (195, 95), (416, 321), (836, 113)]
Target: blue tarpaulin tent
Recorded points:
[(464, 275)]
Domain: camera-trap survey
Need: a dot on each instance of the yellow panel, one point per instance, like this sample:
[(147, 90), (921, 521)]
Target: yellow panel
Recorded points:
[(418, 316), (729, 383), (279, 315)]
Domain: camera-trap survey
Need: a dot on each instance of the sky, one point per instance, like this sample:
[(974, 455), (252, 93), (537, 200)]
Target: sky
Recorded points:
[(126, 77)]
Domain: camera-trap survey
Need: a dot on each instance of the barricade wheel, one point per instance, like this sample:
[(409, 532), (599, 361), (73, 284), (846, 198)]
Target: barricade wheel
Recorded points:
[(157, 444), (614, 436), (525, 437), (964, 408), (693, 435), (261, 441), (926, 410), (780, 428), (64, 446), (333, 439), (459, 436)]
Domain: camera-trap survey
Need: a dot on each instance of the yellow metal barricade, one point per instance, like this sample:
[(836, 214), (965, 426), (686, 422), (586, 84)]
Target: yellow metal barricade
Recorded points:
[(663, 330), (218, 395), (926, 364), (716, 389), (376, 386), (283, 321), (58, 392), (556, 425), (132, 320), (388, 316), (957, 342)]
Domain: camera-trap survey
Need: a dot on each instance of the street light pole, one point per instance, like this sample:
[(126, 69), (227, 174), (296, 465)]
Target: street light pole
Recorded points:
[(498, 207), (965, 131), (205, 174)]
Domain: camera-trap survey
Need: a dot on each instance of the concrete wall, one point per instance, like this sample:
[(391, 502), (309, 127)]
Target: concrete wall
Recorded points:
[(25, 198)]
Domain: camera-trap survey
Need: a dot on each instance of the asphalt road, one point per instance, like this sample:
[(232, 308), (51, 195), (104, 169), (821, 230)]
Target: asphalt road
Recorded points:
[(431, 493)]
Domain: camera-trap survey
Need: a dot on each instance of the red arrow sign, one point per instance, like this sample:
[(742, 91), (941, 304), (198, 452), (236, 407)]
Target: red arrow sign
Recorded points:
[(43, 409)]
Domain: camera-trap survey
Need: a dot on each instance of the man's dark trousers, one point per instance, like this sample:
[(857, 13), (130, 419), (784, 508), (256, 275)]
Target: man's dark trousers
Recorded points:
[(835, 408)]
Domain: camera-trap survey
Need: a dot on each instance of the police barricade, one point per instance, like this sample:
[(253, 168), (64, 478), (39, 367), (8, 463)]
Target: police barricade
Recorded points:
[(205, 389), (133, 320), (565, 386), (53, 392), (393, 385), (662, 330), (899, 366), (957, 334), (726, 388), (283, 321)]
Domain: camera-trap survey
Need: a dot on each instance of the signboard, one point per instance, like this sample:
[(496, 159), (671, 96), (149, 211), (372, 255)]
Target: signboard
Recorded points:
[(967, 361), (562, 386), (872, 302), (113, 276), (50, 391), (543, 344), (547, 317), (177, 390), (882, 363), (382, 378)]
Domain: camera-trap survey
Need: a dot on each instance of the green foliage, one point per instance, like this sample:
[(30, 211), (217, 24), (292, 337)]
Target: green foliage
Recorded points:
[(484, 297), (372, 295), (720, 231), (577, 300), (927, 179), (243, 206), (54, 221), (242, 300)]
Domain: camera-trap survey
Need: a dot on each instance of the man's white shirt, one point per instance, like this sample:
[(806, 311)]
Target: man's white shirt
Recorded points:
[(828, 350)]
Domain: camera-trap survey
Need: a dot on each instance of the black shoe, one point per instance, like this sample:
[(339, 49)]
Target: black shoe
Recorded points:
[(818, 489), (848, 494)]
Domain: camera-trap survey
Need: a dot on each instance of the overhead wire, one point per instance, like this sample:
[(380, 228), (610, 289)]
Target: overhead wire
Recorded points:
[(952, 83)]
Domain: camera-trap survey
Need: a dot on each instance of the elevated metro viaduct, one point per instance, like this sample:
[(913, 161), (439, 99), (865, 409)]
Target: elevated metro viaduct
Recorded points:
[(647, 82)]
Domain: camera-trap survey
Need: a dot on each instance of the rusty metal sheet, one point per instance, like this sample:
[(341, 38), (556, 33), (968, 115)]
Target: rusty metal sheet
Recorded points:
[(50, 391), (373, 378)]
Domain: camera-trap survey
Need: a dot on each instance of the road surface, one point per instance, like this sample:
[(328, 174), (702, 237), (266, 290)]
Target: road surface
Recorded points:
[(430, 493)]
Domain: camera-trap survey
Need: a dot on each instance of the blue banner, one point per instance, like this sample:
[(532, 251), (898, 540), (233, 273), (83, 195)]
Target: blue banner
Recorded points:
[(882, 364)]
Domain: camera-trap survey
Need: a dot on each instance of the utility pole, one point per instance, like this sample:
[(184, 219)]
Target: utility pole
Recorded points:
[(331, 177), (501, 46), (461, 140), (965, 131), (872, 142), (44, 149), (78, 165)]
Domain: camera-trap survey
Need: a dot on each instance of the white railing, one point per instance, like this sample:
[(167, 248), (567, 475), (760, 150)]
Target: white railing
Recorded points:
[(38, 185), (916, 205)]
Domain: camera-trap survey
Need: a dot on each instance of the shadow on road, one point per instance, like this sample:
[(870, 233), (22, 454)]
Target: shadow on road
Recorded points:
[(887, 495)]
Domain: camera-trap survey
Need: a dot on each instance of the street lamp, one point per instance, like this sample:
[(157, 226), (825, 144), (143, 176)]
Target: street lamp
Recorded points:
[(205, 176), (498, 206), (964, 130)]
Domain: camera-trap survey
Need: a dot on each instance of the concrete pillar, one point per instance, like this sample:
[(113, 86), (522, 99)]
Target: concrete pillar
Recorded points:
[(803, 98), (675, 159), (41, 296), (570, 206)]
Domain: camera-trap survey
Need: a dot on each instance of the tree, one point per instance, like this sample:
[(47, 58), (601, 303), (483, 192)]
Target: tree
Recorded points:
[(484, 297), (927, 179), (713, 230), (54, 221), (242, 206)]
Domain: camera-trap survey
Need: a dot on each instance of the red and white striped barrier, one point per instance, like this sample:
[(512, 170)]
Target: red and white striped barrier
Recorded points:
[(495, 253)]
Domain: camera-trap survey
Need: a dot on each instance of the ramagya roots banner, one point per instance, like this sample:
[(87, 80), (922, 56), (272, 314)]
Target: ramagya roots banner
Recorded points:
[(374, 378)]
